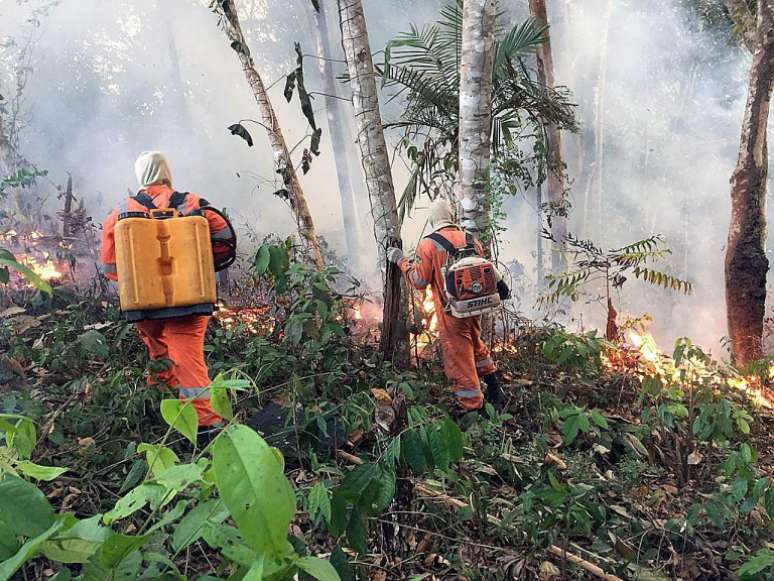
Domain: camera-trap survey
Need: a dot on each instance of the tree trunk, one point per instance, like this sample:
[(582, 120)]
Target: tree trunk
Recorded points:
[(336, 114), (746, 263), (555, 183), (478, 28), (376, 163), (284, 164), (599, 122), (67, 213)]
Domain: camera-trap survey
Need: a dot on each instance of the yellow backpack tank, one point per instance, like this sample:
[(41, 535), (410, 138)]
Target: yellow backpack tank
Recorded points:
[(165, 265)]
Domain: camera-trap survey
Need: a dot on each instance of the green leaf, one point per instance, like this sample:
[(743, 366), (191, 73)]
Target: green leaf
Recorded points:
[(412, 451), (158, 458), (762, 560), (262, 258), (318, 568), (454, 439), (27, 551), (24, 437), (255, 573), (135, 476), (191, 528), (570, 428), (230, 543), (340, 562), (221, 402), (253, 487), (23, 508), (78, 543), (181, 416), (148, 493), (358, 479), (180, 477), (27, 273), (319, 502), (39, 472), (94, 344), (117, 547), (357, 532), (599, 420)]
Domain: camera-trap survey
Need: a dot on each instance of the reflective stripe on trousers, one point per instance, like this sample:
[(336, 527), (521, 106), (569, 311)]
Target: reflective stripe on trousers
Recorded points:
[(193, 392)]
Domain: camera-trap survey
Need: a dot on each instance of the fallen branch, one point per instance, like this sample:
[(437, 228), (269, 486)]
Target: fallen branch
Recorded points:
[(553, 549)]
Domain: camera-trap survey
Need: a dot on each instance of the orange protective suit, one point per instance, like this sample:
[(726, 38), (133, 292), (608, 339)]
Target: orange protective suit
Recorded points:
[(466, 358), (181, 339)]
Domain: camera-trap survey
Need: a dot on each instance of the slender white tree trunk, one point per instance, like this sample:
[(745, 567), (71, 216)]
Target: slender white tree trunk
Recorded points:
[(376, 162), (555, 183), (282, 160), (336, 113), (478, 28)]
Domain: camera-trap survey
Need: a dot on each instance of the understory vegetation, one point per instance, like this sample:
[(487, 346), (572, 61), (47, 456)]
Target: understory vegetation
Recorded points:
[(610, 454)]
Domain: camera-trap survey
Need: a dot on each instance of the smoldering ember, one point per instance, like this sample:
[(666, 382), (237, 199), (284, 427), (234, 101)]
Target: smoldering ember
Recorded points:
[(386, 289)]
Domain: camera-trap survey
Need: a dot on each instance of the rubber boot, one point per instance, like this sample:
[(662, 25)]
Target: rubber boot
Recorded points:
[(494, 393)]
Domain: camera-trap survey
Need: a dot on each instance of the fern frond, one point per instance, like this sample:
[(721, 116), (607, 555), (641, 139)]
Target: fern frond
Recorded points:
[(663, 279)]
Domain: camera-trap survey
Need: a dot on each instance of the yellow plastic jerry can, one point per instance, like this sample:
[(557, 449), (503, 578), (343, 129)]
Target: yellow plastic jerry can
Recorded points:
[(165, 265)]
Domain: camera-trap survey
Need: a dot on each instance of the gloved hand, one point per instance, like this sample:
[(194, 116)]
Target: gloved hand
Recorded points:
[(394, 255)]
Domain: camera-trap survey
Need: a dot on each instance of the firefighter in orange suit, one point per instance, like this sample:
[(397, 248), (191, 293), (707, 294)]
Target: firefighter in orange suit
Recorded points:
[(466, 358), (179, 339)]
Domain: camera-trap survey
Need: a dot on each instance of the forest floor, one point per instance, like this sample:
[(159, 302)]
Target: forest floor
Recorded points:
[(610, 459)]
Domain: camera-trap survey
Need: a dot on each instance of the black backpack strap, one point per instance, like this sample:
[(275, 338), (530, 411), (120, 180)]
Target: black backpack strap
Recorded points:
[(177, 201), (444, 243), (144, 199)]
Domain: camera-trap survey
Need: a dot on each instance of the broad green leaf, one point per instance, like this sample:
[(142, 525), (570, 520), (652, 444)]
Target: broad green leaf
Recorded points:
[(255, 573), (340, 562), (191, 528), (253, 487), (78, 543), (599, 420), (39, 472), (454, 439), (27, 551), (262, 258), (358, 479), (319, 502), (158, 457), (148, 493), (181, 415), (24, 437), (135, 476), (762, 560), (117, 547), (127, 569), (412, 451), (23, 508), (230, 543), (179, 477), (27, 273), (386, 491), (221, 402), (570, 428), (94, 344), (318, 568), (170, 516)]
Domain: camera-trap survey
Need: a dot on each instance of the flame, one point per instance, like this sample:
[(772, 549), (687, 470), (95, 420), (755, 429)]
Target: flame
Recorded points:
[(252, 320), (47, 270), (638, 354), (429, 324)]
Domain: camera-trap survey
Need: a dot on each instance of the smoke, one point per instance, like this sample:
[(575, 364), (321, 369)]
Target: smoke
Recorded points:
[(660, 92)]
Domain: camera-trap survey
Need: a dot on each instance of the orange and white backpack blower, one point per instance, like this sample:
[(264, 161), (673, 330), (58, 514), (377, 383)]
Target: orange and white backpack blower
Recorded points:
[(472, 284)]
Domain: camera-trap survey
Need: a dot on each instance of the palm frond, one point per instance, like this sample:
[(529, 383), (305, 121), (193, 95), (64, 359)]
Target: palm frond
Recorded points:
[(520, 41)]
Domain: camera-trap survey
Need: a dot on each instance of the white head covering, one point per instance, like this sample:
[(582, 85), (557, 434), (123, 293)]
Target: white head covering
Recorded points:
[(151, 168), (441, 214)]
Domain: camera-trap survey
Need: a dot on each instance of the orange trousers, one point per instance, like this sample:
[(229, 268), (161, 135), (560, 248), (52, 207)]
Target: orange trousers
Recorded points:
[(466, 358), (181, 340)]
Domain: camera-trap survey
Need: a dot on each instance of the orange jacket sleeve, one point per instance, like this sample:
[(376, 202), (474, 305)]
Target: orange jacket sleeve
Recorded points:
[(217, 224), (108, 249), (419, 272)]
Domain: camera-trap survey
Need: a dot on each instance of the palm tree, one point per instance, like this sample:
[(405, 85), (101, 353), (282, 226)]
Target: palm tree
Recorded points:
[(423, 65)]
